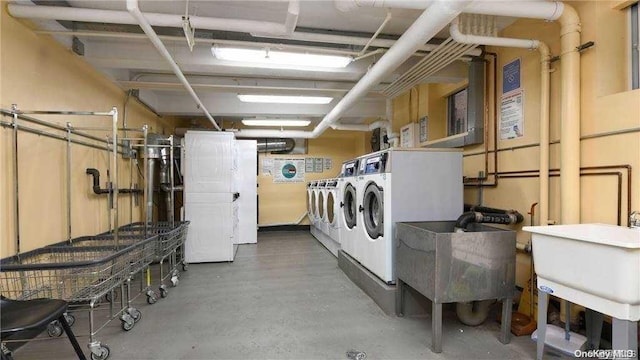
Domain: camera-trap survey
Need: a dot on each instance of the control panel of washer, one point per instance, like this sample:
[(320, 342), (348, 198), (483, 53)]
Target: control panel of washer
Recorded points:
[(350, 168)]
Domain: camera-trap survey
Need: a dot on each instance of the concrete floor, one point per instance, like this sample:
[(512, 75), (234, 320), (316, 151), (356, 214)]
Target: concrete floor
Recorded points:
[(284, 298)]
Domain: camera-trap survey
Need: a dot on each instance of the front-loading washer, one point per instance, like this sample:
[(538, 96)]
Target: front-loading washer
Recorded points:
[(332, 209), (403, 185), (348, 218)]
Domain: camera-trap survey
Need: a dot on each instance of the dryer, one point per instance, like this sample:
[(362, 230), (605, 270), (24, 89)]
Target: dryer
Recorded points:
[(332, 209), (400, 185), (348, 206)]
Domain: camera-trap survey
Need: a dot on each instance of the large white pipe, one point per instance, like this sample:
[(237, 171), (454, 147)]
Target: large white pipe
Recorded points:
[(266, 133), (132, 7), (362, 127), (526, 9), (158, 19), (570, 116), (432, 20)]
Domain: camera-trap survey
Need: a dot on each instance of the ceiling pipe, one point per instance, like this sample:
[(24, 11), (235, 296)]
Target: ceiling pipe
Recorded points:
[(158, 19), (132, 7), (545, 56), (439, 15), (518, 8)]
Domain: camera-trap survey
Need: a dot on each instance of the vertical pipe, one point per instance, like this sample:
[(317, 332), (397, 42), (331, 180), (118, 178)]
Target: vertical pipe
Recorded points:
[(114, 149), (145, 165), (131, 187), (149, 175), (172, 185), (69, 181), (570, 116), (16, 203), (544, 134)]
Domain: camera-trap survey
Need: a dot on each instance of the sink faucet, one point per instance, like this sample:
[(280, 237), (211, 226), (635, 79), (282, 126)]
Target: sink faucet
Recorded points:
[(634, 220)]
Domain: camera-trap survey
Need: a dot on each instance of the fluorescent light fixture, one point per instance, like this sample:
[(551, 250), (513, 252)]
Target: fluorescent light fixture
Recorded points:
[(269, 57), (285, 99), (276, 122)]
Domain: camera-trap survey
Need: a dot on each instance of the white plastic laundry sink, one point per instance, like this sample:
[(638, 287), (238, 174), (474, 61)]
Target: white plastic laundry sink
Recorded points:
[(594, 265)]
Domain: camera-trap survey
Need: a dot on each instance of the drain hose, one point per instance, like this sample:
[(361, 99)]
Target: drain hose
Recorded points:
[(473, 313)]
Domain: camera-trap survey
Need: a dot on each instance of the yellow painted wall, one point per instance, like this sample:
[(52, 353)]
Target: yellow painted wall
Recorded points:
[(606, 105), (39, 74), (287, 203)]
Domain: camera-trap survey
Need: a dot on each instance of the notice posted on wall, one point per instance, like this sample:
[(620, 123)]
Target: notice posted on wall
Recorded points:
[(288, 170), (512, 116), (328, 163), (267, 166)]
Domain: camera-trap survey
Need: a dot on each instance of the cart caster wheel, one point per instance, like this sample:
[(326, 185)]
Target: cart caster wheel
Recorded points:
[(128, 324), (135, 314), (151, 299), (70, 319), (174, 281), (104, 353), (163, 292), (185, 267), (54, 329)]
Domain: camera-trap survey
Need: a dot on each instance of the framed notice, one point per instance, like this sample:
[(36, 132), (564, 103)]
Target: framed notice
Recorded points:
[(511, 77)]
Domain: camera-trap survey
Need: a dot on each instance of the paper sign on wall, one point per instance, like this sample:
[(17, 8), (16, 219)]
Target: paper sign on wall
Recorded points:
[(288, 170), (512, 116), (267, 166), (328, 163), (318, 165), (309, 165), (423, 129)]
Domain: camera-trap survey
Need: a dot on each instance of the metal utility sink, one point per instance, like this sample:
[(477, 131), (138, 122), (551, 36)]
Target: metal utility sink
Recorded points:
[(594, 265), (448, 266)]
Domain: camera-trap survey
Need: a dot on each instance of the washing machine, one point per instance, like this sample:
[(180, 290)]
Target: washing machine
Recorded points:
[(348, 206), (403, 185), (332, 209), (312, 210), (323, 226)]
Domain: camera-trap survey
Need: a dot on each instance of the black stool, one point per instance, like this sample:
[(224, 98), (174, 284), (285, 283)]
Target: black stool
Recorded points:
[(32, 317)]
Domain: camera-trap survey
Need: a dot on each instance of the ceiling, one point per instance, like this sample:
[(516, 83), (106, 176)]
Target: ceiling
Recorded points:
[(125, 55)]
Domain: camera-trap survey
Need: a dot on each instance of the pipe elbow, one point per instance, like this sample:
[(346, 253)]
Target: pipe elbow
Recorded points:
[(569, 20)]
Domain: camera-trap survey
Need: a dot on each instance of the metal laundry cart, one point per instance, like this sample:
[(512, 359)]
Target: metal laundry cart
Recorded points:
[(81, 275), (170, 247), (138, 267)]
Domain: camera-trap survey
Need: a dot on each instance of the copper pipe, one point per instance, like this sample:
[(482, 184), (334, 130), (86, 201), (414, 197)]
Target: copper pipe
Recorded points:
[(511, 175)]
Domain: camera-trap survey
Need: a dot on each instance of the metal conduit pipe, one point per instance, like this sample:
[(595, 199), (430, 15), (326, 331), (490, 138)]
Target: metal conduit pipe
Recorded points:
[(150, 183), (132, 7)]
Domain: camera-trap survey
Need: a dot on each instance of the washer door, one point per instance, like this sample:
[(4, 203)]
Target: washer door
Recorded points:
[(349, 206), (373, 211), (309, 202), (330, 208), (321, 204), (313, 203)]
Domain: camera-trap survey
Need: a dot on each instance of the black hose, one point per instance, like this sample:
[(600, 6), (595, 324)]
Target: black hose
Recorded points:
[(469, 217), (484, 209)]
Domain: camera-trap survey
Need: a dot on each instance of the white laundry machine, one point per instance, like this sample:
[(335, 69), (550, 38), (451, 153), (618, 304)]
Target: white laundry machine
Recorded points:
[(321, 206), (348, 206), (400, 185), (332, 209)]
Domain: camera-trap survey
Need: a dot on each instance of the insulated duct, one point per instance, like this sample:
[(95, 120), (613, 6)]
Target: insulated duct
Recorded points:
[(278, 146)]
